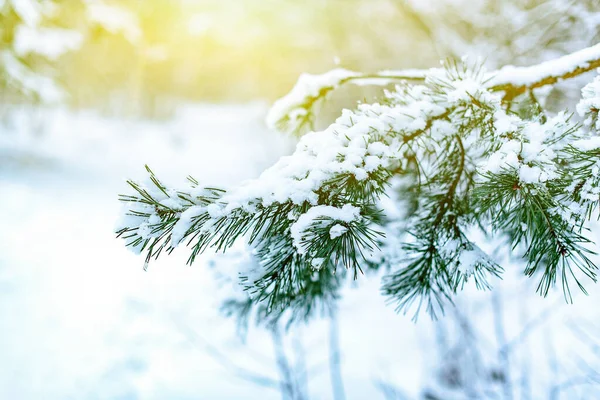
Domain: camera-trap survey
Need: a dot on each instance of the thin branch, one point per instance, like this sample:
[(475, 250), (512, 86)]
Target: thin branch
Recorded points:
[(530, 326), (570, 383), (243, 373), (585, 337)]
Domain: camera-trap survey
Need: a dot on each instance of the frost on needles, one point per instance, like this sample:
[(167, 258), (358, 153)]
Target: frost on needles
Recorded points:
[(457, 148)]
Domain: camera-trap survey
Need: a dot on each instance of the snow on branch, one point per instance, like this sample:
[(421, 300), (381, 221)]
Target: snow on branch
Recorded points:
[(295, 111), (466, 162), (517, 80)]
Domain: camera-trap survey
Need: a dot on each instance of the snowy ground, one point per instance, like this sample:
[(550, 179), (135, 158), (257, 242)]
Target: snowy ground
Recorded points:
[(80, 319)]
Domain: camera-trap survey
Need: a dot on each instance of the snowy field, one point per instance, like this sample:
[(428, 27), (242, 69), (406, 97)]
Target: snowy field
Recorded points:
[(81, 319)]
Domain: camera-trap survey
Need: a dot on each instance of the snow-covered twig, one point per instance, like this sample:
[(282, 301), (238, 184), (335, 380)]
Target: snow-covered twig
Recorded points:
[(295, 111), (517, 80)]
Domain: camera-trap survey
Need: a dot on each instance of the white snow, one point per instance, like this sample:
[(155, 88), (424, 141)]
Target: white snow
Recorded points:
[(356, 144), (30, 11), (342, 148), (183, 224), (31, 83), (505, 157), (337, 230), (467, 256), (307, 87), (82, 319), (533, 153), (589, 105), (469, 259), (293, 106), (526, 76), (322, 216), (588, 144), (533, 174), (505, 123), (114, 19), (48, 42)]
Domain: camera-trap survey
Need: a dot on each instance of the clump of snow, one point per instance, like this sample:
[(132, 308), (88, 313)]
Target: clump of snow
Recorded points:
[(466, 255), (29, 81), (322, 216), (293, 108), (505, 123), (404, 74), (505, 157), (464, 90), (317, 263), (526, 76), (184, 223), (589, 105), (293, 105), (587, 144), (337, 230), (533, 152), (533, 174), (48, 42), (469, 259), (358, 143)]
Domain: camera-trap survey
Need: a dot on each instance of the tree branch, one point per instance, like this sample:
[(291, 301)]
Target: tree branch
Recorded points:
[(517, 80), (250, 376), (510, 79)]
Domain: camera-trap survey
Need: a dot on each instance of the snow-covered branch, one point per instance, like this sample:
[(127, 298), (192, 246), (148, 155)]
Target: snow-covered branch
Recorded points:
[(466, 161), (517, 80), (295, 112)]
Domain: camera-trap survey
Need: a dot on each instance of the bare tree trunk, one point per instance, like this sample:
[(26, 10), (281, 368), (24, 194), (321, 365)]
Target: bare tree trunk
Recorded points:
[(553, 363), (503, 357), (287, 383), (335, 370), (525, 366), (300, 367)]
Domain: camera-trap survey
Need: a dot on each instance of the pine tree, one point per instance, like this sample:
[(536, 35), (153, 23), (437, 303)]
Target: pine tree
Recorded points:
[(34, 34), (29, 44), (457, 149)]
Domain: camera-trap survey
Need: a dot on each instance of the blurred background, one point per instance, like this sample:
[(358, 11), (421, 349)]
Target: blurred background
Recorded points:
[(90, 91)]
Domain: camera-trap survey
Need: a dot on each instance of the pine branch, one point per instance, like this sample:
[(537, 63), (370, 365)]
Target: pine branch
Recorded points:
[(315, 217)]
